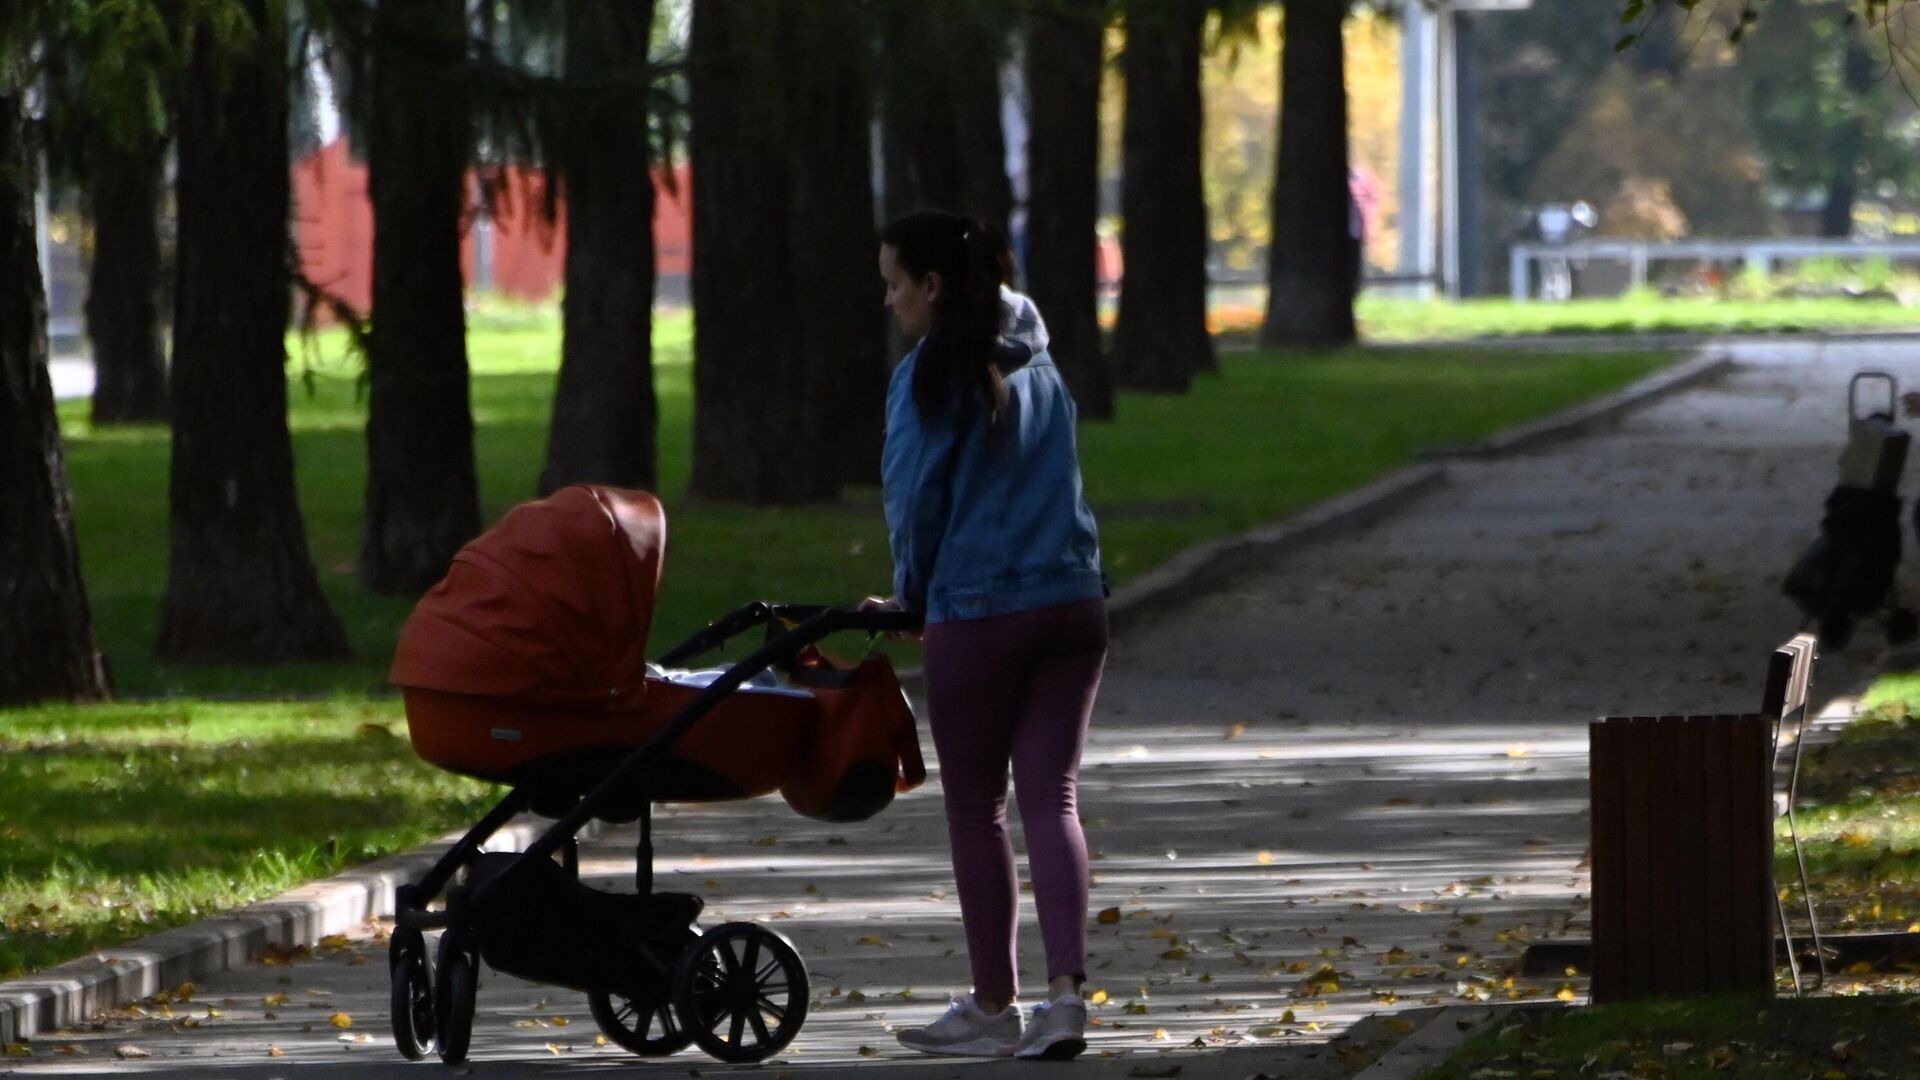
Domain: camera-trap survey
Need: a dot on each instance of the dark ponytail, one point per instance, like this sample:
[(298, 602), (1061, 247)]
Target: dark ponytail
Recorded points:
[(955, 370)]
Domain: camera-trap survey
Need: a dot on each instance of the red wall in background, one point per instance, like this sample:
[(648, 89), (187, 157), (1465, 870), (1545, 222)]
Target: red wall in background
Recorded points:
[(334, 229)]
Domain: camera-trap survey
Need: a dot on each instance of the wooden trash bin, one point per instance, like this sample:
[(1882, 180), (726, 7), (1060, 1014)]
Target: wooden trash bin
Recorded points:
[(1683, 894)]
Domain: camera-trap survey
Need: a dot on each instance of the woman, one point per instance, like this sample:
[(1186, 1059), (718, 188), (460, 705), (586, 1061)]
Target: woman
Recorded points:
[(994, 546)]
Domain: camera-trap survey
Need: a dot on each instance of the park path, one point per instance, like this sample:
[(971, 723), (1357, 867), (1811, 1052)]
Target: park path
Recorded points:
[(1367, 756)]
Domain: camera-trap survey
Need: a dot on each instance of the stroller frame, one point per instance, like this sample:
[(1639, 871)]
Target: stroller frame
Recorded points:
[(696, 981)]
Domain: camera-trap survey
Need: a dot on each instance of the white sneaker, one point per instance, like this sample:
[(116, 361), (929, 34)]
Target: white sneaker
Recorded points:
[(1058, 1031), (967, 1031)]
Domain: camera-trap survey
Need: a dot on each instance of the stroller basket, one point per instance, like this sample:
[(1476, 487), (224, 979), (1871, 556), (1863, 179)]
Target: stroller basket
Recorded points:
[(527, 666)]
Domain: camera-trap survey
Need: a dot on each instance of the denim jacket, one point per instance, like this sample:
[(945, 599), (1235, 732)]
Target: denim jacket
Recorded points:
[(989, 522)]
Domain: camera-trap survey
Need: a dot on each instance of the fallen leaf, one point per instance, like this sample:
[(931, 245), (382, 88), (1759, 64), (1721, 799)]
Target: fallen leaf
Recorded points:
[(1234, 731), (340, 1020), (555, 1049), (129, 1050), (560, 1021), (1159, 1034), (19, 1049), (1265, 858), (274, 1051), (1566, 993), (868, 1051), (1098, 997), (874, 939), (272, 1000)]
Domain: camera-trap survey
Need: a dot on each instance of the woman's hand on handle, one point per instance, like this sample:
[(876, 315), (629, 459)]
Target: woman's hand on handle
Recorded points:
[(889, 604)]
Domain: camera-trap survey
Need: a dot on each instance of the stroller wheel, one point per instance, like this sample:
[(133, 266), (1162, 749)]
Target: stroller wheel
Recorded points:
[(453, 999), (412, 1000), (742, 992), (646, 1026)]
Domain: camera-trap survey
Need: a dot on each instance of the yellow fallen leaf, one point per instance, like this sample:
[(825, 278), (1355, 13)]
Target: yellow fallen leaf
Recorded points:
[(274, 1051), (1265, 858), (19, 1049), (272, 1000), (561, 1021), (555, 1049), (1159, 1034), (1109, 916), (1235, 730), (1098, 997), (1566, 993), (340, 1020), (1519, 750), (1855, 838)]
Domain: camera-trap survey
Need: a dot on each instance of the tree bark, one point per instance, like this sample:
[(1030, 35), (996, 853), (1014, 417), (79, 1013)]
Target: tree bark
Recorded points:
[(123, 287), (1064, 55), (1849, 137), (941, 136), (840, 322), (1161, 340), (241, 586), (1313, 265), (604, 413), (423, 498), (46, 627), (761, 421)]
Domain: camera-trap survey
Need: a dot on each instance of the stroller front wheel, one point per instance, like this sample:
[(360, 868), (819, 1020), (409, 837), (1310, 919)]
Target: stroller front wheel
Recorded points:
[(453, 999), (645, 1026), (742, 992), (412, 994)]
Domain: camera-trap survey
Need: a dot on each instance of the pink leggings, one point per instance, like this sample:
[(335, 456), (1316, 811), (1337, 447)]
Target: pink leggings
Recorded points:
[(1016, 688)]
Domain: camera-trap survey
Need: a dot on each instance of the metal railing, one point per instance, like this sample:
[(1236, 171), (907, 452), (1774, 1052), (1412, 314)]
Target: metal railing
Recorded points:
[(1639, 255)]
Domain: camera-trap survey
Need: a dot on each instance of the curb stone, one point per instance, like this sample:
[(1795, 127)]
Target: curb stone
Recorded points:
[(1435, 1041), (72, 993), (1588, 415)]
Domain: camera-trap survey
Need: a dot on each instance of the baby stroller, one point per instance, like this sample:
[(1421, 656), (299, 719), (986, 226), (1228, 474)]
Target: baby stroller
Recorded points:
[(527, 666), (1847, 573)]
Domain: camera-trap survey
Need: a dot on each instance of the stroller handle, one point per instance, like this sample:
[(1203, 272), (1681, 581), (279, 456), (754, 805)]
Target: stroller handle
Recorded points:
[(760, 613), (1853, 399)]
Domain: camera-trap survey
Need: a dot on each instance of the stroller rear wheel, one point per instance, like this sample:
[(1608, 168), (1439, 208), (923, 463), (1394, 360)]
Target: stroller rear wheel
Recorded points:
[(742, 992), (453, 998), (412, 998), (646, 1026)]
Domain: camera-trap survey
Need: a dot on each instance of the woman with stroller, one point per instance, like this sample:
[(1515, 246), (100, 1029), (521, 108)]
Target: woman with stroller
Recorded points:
[(993, 544)]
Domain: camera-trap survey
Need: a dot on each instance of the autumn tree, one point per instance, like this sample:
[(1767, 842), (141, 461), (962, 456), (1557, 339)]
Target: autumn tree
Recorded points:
[(1313, 264), (241, 585), (1063, 65), (1161, 340), (46, 630)]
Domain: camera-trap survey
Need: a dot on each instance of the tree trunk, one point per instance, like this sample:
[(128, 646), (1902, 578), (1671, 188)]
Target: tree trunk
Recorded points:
[(240, 584), (422, 494), (1313, 266), (831, 235), (604, 413), (1161, 340), (46, 628), (761, 421), (123, 289), (1849, 137), (940, 111), (1063, 191)]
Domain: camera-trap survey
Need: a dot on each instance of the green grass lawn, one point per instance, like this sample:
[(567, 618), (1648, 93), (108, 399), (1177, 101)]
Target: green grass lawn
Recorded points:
[(121, 819), (1843, 1038)]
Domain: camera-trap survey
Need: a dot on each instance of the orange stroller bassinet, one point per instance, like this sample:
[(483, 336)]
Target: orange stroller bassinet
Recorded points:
[(527, 665)]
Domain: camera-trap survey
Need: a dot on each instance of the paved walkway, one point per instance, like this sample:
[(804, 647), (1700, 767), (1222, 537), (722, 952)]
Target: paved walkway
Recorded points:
[(1354, 781)]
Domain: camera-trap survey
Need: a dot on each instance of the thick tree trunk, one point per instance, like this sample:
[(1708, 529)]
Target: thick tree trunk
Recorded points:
[(240, 583), (422, 494), (604, 413), (1063, 193), (761, 421), (123, 289), (839, 322), (1313, 265), (1848, 139), (941, 137), (46, 629), (1161, 340)]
